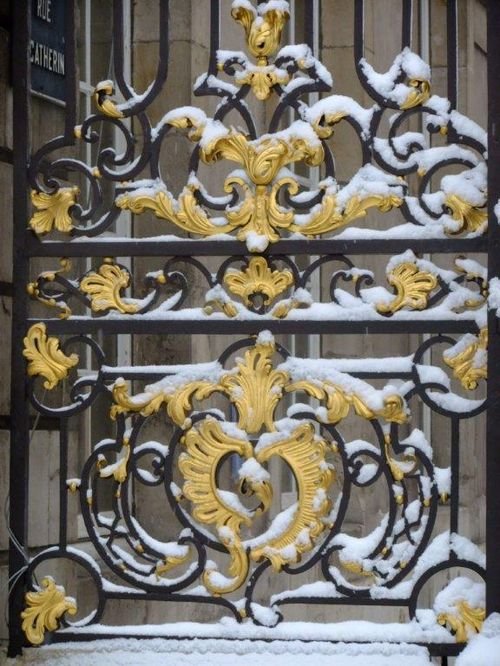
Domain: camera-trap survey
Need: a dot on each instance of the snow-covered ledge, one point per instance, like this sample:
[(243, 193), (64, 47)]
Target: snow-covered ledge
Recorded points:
[(483, 649), (199, 652)]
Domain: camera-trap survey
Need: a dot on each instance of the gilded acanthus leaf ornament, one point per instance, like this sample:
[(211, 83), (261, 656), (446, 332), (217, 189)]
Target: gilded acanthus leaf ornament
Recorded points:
[(262, 79), (418, 96), (413, 287), (45, 356), (170, 562), (468, 359), (399, 468), (206, 447), (53, 210), (256, 388), (339, 402), (259, 213), (178, 401), (324, 125), (184, 213), (262, 30), (264, 157), (118, 469), (102, 97), (464, 622), (304, 452), (258, 278), (44, 607), (470, 217), (329, 216), (104, 287)]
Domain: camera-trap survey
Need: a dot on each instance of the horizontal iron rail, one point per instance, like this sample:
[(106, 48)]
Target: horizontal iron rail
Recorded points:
[(138, 374), (159, 248), (250, 327)]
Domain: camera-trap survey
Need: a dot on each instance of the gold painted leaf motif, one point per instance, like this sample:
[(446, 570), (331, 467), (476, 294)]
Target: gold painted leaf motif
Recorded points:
[(339, 402), (304, 453), (44, 607), (465, 621), (206, 446), (117, 470), (329, 216), (102, 94), (413, 287), (104, 289), (418, 96), (184, 213), (258, 278), (324, 125), (264, 157), (255, 389), (471, 218), (470, 364), (170, 562), (45, 356), (53, 210), (178, 402), (262, 80), (262, 31), (399, 468)]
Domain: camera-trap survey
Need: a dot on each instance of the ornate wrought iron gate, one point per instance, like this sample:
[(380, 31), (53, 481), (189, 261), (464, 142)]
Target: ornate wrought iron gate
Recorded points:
[(254, 253)]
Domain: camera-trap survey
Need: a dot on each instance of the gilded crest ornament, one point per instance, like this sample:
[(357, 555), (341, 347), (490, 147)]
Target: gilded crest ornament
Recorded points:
[(206, 446), (255, 387)]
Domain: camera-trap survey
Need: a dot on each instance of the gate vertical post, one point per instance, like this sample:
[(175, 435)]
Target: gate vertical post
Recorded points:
[(19, 435), (493, 413)]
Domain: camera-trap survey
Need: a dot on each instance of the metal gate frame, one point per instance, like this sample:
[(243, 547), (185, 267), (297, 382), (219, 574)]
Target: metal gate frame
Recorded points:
[(26, 246)]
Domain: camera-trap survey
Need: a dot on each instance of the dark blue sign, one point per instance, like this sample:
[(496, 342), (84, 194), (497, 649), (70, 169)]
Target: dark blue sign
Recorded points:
[(47, 57)]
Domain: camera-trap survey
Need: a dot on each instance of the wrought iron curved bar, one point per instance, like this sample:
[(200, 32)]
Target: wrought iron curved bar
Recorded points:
[(138, 103), (86, 562)]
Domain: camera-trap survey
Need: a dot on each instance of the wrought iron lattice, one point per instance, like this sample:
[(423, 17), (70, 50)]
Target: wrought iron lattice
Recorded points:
[(258, 238)]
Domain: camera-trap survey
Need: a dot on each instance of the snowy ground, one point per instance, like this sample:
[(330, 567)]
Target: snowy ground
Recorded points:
[(196, 652), (484, 649)]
